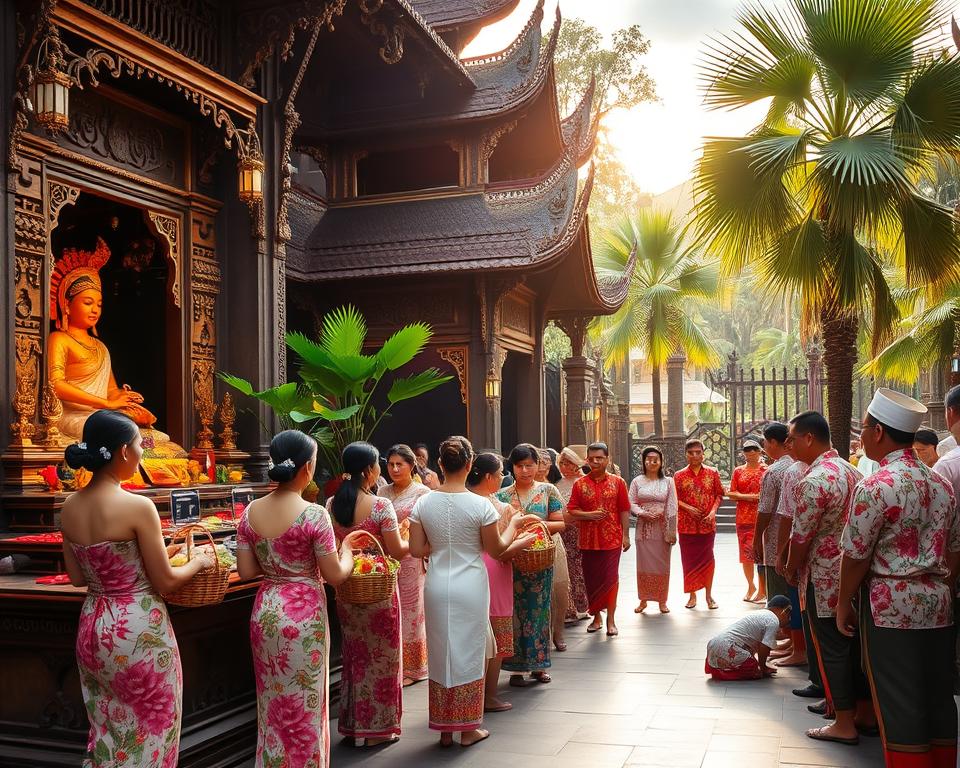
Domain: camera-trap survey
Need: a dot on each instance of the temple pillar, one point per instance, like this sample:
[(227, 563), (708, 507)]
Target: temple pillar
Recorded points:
[(8, 54), (938, 379), (815, 378), (675, 366), (578, 372)]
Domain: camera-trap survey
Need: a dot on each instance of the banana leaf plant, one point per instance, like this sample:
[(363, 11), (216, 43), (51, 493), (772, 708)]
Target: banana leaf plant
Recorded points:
[(338, 383)]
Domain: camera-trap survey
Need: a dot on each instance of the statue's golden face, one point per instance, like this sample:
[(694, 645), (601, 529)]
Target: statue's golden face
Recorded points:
[(85, 308)]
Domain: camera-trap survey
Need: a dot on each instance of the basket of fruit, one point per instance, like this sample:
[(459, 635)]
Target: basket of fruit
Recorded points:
[(374, 577), (209, 585), (539, 555)]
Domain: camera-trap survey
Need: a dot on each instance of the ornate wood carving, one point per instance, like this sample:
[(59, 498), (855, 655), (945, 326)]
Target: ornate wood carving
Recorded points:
[(25, 396), (227, 414), (489, 141), (51, 410), (204, 289), (458, 358), (576, 329), (516, 315), (30, 245), (390, 31), (281, 302), (59, 195), (168, 227), (264, 31)]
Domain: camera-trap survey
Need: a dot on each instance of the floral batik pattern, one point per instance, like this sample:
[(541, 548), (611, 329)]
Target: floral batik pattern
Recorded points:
[(410, 581), (823, 498), (701, 490), (901, 519), (747, 480), (371, 684), (456, 709), (290, 642), (531, 591), (770, 488), (129, 663)]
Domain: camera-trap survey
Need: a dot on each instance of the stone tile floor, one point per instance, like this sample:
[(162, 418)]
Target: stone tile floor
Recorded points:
[(637, 699)]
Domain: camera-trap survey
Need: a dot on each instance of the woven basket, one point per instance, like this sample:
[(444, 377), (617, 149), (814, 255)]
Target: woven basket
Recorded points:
[(367, 588), (536, 560), (209, 585)]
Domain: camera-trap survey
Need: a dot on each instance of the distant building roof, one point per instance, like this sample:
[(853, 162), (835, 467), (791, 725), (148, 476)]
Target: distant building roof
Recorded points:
[(695, 392)]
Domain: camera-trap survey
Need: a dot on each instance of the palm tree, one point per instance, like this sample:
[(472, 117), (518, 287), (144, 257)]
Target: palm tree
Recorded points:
[(658, 317), (862, 99)]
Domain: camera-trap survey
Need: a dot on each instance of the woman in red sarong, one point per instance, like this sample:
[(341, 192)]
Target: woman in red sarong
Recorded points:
[(745, 490)]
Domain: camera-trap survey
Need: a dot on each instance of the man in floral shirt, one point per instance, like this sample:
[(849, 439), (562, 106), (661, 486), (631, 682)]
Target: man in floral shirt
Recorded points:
[(895, 546), (823, 500), (699, 493)]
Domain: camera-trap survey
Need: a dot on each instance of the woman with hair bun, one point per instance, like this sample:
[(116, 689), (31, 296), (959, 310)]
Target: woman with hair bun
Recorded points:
[(403, 492), (371, 698), (129, 663), (290, 542), (531, 591), (455, 527)]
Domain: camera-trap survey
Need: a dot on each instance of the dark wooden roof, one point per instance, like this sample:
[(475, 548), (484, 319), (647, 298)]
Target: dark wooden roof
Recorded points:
[(578, 129), (503, 83), (446, 14)]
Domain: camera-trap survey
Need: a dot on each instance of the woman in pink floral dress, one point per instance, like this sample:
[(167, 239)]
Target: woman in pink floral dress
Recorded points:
[(126, 650), (371, 700), (403, 493), (290, 542)]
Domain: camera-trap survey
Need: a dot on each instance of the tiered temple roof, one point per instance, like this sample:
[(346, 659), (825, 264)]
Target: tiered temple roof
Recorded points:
[(517, 226), (447, 14)]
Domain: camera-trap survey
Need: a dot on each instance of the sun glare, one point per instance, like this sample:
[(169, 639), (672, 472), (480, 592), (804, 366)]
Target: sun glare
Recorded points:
[(498, 36)]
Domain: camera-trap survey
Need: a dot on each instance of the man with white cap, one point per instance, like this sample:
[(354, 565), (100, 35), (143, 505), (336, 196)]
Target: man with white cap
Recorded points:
[(902, 526), (822, 502)]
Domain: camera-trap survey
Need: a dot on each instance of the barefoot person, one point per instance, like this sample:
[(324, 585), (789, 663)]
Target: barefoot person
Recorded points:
[(823, 501), (653, 502), (740, 652), (454, 527), (902, 531), (600, 505), (699, 493), (745, 490)]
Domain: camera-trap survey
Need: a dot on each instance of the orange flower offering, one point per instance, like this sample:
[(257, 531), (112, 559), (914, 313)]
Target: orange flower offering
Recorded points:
[(364, 563)]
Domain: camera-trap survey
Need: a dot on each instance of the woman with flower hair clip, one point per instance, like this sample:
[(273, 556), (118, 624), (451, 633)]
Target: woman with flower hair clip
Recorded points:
[(127, 653)]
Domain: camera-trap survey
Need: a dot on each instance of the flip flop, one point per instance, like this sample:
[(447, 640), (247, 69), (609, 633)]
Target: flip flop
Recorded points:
[(561, 647), (591, 629), (613, 633), (691, 606), (502, 708), (817, 734), (541, 677), (712, 604), (486, 735), (519, 681)]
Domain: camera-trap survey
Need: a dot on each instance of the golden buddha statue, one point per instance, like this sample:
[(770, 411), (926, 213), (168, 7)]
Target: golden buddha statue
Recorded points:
[(78, 363)]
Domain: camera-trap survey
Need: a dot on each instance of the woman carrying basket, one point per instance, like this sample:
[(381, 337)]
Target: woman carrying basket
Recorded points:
[(531, 590), (454, 526), (371, 700), (290, 542), (127, 654)]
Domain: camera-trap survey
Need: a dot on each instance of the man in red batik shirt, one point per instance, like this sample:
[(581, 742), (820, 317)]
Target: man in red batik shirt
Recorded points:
[(699, 493), (599, 504)]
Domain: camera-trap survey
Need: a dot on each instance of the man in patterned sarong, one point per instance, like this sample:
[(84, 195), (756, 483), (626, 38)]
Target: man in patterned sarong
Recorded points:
[(823, 498), (900, 540), (599, 504), (699, 493)]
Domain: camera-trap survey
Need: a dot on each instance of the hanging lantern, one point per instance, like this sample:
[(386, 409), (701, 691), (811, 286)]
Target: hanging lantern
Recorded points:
[(492, 388), (51, 85), (586, 412), (251, 179)]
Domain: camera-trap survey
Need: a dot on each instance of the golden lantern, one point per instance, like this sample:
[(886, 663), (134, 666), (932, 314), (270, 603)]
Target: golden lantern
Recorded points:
[(492, 388), (251, 178), (51, 85)]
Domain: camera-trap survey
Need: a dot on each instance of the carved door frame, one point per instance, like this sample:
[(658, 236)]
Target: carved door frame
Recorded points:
[(43, 187)]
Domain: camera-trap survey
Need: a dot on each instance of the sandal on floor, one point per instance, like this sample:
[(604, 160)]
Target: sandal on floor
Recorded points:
[(613, 633), (541, 677), (503, 707), (691, 605), (817, 734), (712, 604), (519, 681), (591, 629), (561, 647)]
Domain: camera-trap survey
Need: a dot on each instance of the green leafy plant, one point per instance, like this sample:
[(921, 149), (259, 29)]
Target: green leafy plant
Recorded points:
[(334, 398)]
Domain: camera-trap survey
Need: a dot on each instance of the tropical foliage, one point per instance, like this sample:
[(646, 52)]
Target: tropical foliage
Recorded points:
[(659, 317), (339, 385), (862, 99)]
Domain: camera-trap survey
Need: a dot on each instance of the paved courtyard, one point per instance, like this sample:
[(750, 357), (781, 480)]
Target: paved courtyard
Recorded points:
[(637, 699)]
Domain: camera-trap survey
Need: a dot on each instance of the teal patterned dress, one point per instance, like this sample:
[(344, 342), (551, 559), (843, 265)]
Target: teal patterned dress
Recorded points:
[(531, 591)]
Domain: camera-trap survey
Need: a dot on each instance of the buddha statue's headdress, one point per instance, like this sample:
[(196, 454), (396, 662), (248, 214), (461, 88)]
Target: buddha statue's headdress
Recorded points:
[(75, 271)]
